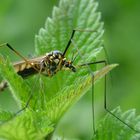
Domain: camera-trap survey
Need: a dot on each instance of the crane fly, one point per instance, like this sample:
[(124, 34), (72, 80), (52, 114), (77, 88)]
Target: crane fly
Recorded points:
[(48, 64), (51, 63)]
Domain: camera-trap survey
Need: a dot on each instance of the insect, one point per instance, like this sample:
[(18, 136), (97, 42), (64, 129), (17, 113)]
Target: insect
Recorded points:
[(49, 65)]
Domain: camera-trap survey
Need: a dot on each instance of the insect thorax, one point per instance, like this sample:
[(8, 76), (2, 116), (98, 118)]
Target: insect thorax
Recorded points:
[(52, 63)]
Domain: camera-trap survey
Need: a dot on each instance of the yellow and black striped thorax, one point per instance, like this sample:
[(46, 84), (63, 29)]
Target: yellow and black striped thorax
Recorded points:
[(47, 65)]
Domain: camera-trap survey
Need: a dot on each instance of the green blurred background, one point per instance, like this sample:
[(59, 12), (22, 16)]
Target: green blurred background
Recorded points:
[(21, 20)]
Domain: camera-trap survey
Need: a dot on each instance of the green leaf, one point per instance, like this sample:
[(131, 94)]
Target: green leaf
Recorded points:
[(64, 89), (71, 14), (18, 87), (5, 115), (28, 125), (70, 95), (111, 128)]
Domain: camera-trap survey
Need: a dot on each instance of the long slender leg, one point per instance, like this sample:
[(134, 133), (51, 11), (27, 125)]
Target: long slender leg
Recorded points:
[(19, 54), (29, 99), (87, 64), (69, 42), (87, 30), (32, 92), (105, 91), (72, 35), (105, 94), (4, 84), (16, 52), (22, 109), (92, 74)]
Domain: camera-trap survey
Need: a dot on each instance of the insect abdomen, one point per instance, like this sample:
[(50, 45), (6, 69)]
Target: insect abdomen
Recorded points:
[(24, 69), (27, 72)]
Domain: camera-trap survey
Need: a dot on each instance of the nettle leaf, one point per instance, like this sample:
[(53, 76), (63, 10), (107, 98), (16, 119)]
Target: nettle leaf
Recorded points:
[(111, 128), (26, 126), (56, 94), (71, 14), (15, 82), (5, 115), (70, 95)]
